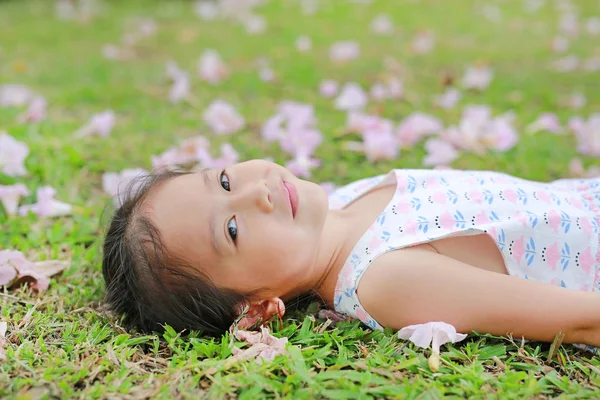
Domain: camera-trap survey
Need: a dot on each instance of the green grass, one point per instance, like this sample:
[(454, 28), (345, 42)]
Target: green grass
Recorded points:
[(62, 344)]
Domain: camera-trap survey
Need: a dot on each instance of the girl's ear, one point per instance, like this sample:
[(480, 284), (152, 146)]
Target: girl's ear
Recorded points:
[(260, 312)]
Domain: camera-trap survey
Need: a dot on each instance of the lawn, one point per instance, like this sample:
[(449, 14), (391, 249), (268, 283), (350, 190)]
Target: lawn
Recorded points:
[(61, 343)]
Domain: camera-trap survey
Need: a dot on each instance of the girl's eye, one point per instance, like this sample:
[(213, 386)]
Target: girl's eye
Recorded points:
[(224, 183), (232, 229)]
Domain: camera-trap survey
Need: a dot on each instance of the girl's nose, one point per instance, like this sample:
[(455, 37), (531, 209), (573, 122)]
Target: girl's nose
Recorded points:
[(254, 195)]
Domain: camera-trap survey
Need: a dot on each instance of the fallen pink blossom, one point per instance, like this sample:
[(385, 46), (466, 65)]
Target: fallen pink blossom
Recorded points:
[(344, 51), (351, 97), (328, 88), (592, 26), (12, 155), (587, 134), (114, 183), (423, 42), (380, 145), (439, 152), (207, 11), (187, 152), (302, 165), (36, 111), (382, 25), (577, 169), (448, 99), (223, 118), (229, 156), (36, 273), (560, 44), (211, 67), (263, 345), (547, 122), (477, 77), (303, 43), (254, 24), (434, 334), (332, 315), (46, 205), (416, 126), (15, 95), (100, 124), (9, 196)]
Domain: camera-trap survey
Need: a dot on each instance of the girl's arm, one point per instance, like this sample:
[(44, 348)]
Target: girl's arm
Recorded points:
[(414, 286)]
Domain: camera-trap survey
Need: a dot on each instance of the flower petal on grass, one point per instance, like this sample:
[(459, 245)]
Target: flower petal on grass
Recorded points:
[(9, 196), (12, 155), (211, 67), (36, 273), (352, 97), (100, 124), (344, 51), (46, 205), (434, 334), (263, 345), (223, 118)]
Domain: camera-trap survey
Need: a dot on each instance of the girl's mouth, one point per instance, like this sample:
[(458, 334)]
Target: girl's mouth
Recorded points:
[(292, 197)]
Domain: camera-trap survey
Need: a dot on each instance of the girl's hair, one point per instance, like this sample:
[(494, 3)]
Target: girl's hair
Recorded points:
[(149, 285)]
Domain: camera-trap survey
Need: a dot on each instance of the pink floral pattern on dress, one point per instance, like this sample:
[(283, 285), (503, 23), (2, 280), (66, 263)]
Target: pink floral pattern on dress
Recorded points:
[(547, 232)]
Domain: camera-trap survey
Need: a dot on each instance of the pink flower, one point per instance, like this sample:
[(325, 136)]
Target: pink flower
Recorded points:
[(439, 152), (423, 42), (9, 196), (382, 25), (328, 88), (263, 345), (301, 141), (115, 183), (344, 51), (351, 97), (36, 110), (592, 26), (211, 68), (303, 43), (380, 145), (206, 10), (301, 165), (254, 24), (12, 155), (39, 271), (223, 118), (416, 126), (587, 134), (228, 157), (560, 44), (393, 89), (15, 95), (434, 334), (477, 77), (187, 152), (576, 100), (100, 124), (565, 64), (569, 24), (47, 206), (547, 122), (181, 82), (448, 99)]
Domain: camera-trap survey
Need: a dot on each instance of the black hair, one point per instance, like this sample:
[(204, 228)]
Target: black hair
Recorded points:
[(150, 286)]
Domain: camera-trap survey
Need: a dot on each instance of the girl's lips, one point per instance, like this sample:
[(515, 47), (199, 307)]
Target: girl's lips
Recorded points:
[(292, 196)]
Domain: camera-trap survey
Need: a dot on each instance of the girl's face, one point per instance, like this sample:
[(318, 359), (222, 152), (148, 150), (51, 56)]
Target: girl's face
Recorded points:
[(237, 225)]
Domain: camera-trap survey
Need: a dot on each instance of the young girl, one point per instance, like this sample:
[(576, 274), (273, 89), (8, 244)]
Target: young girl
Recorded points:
[(483, 251)]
